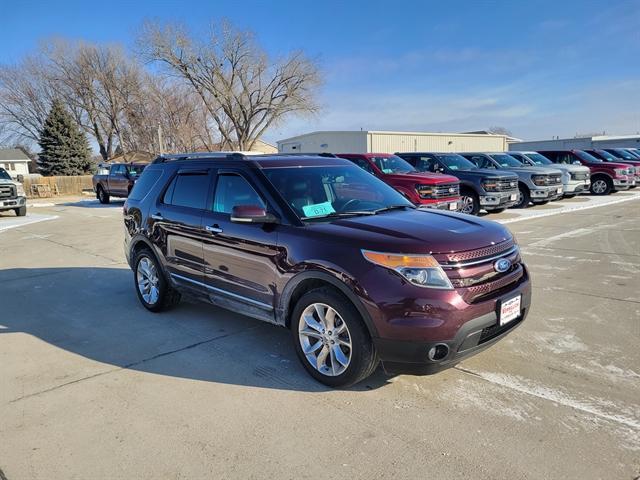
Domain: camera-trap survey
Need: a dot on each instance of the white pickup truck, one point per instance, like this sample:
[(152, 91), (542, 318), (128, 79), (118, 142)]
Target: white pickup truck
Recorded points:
[(12, 196)]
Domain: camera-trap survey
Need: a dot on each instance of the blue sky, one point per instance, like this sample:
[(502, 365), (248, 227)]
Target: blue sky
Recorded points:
[(539, 68)]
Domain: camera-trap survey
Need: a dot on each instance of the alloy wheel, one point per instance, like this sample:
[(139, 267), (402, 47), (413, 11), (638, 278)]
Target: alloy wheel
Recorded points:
[(325, 339), (467, 204), (148, 281), (599, 187)]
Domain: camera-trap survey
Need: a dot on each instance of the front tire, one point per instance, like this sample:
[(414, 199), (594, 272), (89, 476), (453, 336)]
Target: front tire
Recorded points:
[(524, 197), (601, 186), (154, 292), (470, 203), (22, 211), (331, 340)]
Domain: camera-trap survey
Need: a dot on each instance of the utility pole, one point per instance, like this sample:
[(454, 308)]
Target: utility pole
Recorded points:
[(160, 141)]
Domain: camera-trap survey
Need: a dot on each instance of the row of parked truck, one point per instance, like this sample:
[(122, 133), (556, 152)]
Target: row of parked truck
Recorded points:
[(468, 182)]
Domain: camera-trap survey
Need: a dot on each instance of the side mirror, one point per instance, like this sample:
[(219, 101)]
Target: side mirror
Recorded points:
[(252, 214)]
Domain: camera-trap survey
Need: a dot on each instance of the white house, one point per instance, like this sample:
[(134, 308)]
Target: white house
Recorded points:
[(14, 161)]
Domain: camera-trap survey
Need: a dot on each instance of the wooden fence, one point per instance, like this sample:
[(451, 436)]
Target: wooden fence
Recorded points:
[(73, 185)]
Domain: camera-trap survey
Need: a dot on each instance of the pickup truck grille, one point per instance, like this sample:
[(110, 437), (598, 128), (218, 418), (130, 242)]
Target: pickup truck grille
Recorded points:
[(555, 180), (580, 176), (446, 190), (506, 185), (7, 191)]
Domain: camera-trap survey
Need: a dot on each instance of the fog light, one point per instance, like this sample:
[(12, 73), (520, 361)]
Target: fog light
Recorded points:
[(438, 352)]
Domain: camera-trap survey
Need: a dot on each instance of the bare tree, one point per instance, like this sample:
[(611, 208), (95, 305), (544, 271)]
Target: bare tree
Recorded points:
[(243, 91), (497, 130), (25, 100)]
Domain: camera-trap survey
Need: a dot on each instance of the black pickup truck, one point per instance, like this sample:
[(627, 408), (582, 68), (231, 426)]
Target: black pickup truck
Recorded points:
[(118, 182), (480, 188)]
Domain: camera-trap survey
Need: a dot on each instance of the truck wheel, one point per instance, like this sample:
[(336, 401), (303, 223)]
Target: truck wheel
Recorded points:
[(524, 198), (331, 339), (22, 211), (601, 186), (470, 203), (154, 292), (103, 196)]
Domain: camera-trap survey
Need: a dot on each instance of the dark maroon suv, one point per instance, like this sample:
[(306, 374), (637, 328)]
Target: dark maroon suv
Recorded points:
[(355, 271)]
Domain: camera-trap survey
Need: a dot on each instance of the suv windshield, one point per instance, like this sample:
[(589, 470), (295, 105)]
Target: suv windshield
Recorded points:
[(327, 192), (457, 162), (4, 175), (586, 157), (538, 159), (506, 160), (392, 164)]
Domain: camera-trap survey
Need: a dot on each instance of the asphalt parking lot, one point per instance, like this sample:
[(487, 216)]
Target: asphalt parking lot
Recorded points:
[(94, 386)]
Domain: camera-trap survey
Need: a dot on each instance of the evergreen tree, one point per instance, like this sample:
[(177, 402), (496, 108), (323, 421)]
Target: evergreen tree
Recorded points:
[(65, 150)]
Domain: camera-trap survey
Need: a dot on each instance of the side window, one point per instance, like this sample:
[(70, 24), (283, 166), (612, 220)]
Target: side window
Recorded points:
[(188, 190), (232, 190), (116, 170), (363, 164), (426, 164)]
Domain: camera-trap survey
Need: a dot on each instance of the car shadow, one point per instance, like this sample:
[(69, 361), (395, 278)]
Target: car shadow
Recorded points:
[(95, 313), (94, 204)]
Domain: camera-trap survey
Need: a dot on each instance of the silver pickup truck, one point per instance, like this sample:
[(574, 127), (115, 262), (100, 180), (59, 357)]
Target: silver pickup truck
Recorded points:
[(12, 196), (576, 179), (535, 185)]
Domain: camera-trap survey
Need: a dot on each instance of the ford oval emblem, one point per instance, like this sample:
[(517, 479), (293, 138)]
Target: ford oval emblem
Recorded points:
[(502, 265)]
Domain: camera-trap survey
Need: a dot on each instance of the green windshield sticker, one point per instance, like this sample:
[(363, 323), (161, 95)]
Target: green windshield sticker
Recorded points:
[(318, 209), (387, 170)]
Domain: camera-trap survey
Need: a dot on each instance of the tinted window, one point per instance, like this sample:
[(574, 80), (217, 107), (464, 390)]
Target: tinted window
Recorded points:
[(539, 159), (117, 170), (426, 164), (392, 164), (4, 175), (506, 161), (362, 163), (144, 184), (188, 190), (456, 162), (233, 190)]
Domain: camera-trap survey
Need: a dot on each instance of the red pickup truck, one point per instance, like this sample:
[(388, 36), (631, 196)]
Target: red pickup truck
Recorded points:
[(606, 177), (426, 190)]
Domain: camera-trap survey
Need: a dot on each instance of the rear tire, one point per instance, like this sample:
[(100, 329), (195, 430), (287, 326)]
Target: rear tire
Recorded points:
[(321, 340), (154, 292), (103, 196), (22, 211), (601, 186)]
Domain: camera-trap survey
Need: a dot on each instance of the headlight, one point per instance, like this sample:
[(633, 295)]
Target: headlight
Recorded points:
[(425, 191), (621, 171), (490, 186), (20, 190), (539, 180), (420, 270)]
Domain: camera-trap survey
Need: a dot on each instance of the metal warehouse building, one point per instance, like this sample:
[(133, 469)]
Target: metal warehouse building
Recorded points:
[(581, 143), (369, 141)]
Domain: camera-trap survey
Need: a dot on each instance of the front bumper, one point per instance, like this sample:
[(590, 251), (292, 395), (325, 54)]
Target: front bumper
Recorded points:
[(623, 184), (494, 200), (11, 203), (475, 333), (576, 186), (544, 194), (451, 205)]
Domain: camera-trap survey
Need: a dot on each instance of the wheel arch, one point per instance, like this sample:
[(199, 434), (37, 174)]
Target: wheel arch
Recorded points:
[(310, 280)]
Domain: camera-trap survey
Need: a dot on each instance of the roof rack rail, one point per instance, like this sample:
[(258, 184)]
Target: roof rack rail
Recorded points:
[(292, 154), (172, 157)]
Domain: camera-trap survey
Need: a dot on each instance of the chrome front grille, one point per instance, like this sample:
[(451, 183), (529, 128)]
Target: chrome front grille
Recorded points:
[(456, 258), (555, 180), (7, 191), (446, 190), (506, 185)]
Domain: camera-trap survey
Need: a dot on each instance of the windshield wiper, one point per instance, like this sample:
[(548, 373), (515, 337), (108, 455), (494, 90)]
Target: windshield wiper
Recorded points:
[(391, 207), (351, 213)]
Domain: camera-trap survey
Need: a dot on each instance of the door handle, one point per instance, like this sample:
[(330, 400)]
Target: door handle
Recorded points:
[(157, 216), (213, 229)]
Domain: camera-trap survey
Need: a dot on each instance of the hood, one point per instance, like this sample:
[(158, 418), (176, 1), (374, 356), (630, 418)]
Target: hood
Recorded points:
[(611, 165), (563, 167), (430, 178), (489, 173), (4, 181), (415, 231)]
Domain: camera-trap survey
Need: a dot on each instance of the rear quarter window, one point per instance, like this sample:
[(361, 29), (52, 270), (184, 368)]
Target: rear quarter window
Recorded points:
[(144, 184)]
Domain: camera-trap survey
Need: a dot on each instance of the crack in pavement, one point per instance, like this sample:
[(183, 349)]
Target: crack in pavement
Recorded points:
[(132, 364), (587, 294)]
